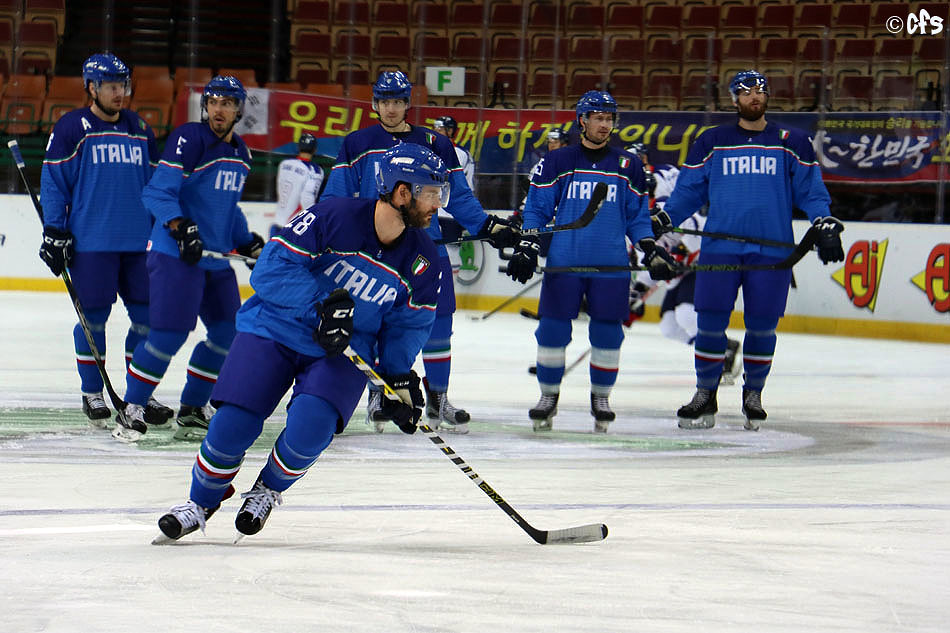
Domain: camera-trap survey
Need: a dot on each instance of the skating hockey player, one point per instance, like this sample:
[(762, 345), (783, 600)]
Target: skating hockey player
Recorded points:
[(298, 182), (353, 175), (98, 160), (752, 173), (357, 272), (193, 197), (447, 126), (560, 190)]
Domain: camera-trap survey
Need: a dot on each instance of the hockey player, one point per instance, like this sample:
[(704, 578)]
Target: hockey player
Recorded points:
[(447, 126), (98, 159), (752, 173), (298, 182), (353, 175), (560, 190), (345, 272), (193, 196)]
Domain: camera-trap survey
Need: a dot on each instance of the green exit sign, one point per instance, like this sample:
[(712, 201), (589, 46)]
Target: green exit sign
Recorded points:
[(445, 80)]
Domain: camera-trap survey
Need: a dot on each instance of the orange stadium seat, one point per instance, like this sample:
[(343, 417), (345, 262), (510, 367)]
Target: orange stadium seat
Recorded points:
[(21, 109), (191, 75), (246, 76), (64, 94), (153, 100), (324, 89)]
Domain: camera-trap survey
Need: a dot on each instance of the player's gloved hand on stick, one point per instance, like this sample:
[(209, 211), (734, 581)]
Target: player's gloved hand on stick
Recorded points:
[(661, 223), (829, 239), (522, 264), (501, 233), (252, 248), (406, 386), (336, 322), (189, 241), (516, 219), (661, 264), (57, 249), (637, 303)]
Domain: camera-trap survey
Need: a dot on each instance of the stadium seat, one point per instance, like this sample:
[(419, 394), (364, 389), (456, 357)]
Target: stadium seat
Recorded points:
[(64, 94), (702, 18), (391, 15), (323, 89), (506, 15), (585, 18), (549, 51), (392, 49), (778, 54), (663, 54), (52, 11), (21, 109), (140, 71), (813, 19), (351, 16), (813, 91), (895, 92), (312, 48), (153, 99), (662, 91), (853, 92), (310, 15), (856, 54), (626, 18), (430, 15), (468, 49), (33, 63), (781, 92), (547, 89), (197, 76), (360, 92), (699, 92), (246, 76), (311, 74), (582, 80), (628, 51), (352, 75), (37, 39), (895, 54), (627, 88), (545, 17), (587, 52), (6, 38), (702, 53), (852, 18), (467, 16), (816, 54), (738, 20), (883, 10), (775, 19), (663, 19), (351, 47)]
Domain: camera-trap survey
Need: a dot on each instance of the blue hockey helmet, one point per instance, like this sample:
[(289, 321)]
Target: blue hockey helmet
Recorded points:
[(307, 143), (448, 123), (557, 134), (595, 101), (392, 84), (105, 67), (637, 149), (746, 80), (415, 165), (224, 86)]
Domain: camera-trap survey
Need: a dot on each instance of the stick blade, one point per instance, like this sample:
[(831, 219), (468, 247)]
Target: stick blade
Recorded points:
[(581, 534)]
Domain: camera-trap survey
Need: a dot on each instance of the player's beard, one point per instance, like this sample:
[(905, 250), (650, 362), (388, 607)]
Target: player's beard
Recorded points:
[(109, 112), (752, 114), (414, 216)]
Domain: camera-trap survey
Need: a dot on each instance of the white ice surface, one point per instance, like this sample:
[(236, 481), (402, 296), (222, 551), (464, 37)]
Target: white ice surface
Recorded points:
[(835, 517)]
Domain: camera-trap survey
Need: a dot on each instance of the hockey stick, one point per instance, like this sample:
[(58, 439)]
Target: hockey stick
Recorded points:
[(117, 402), (733, 238), (506, 302), (234, 256), (808, 241), (597, 198), (580, 534)]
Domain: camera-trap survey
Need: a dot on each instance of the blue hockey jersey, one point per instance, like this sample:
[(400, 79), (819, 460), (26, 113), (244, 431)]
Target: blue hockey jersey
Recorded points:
[(561, 189), (751, 181), (200, 177), (354, 173), (92, 180), (334, 245)]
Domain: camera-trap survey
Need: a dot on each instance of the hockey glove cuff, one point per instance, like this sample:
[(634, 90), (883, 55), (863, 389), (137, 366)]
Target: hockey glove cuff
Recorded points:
[(829, 239), (405, 416), (56, 251), (189, 241), (661, 264), (522, 264), (336, 322), (637, 303), (661, 223), (500, 233)]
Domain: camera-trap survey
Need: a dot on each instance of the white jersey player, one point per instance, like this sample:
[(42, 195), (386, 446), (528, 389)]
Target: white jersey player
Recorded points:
[(447, 126), (298, 183)]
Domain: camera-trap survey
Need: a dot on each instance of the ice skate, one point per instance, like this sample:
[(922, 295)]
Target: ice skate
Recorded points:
[(732, 363), (184, 519), (374, 411), (543, 413), (156, 413), (192, 422), (446, 417), (700, 412), (258, 503), (130, 423), (94, 406), (600, 409), (752, 409)]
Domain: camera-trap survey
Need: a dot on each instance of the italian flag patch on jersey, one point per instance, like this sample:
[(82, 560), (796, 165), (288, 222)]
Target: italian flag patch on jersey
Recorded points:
[(624, 162), (783, 134), (420, 265)]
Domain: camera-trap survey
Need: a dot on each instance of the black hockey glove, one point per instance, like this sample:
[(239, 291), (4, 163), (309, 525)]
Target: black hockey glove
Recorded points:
[(522, 264), (637, 303), (405, 416), (252, 249), (57, 249), (336, 322), (500, 233), (516, 219), (661, 223), (829, 239), (190, 245), (661, 264)]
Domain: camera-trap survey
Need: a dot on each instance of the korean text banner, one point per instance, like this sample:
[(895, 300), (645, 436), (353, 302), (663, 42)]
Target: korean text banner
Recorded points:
[(855, 146)]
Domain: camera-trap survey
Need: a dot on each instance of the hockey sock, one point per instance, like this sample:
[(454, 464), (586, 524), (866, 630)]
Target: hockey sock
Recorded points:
[(89, 377), (205, 363), (437, 353), (758, 349), (605, 340), (150, 362), (311, 422), (138, 329), (710, 348), (232, 431), (552, 335)]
